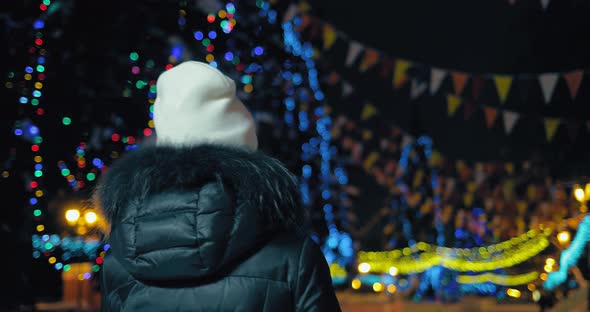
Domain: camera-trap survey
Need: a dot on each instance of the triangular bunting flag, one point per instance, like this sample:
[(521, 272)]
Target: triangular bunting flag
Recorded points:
[(551, 125), (290, 13), (436, 78), (417, 88), (329, 36), (574, 80), (368, 111), (545, 4), (386, 66), (399, 72), (510, 119), (503, 86), (347, 88), (477, 85), (468, 109), (333, 78), (490, 113), (354, 49), (369, 60), (305, 21), (548, 82), (459, 81), (453, 103)]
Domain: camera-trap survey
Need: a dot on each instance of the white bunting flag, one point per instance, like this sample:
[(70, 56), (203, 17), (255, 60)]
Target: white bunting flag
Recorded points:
[(436, 79), (548, 82), (417, 88), (354, 49), (510, 119)]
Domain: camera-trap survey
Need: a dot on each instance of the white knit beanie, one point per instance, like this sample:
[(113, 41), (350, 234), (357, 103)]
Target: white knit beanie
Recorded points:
[(197, 104)]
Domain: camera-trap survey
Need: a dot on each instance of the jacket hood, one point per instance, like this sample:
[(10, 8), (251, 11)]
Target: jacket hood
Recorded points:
[(188, 212)]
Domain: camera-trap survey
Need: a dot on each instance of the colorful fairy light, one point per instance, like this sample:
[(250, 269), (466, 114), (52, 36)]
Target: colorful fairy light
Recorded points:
[(498, 279)]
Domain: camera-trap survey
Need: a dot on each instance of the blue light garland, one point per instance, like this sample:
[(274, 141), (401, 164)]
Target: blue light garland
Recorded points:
[(570, 256)]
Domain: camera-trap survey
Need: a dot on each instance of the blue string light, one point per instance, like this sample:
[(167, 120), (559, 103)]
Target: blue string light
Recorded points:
[(570, 256)]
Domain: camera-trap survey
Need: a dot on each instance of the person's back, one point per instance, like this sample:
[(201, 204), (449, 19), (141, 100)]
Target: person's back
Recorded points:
[(205, 223)]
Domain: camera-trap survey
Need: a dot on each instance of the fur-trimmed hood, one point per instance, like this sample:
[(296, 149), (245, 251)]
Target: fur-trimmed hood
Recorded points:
[(186, 212)]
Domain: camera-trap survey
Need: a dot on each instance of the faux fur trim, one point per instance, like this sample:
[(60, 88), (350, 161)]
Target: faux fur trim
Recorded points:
[(252, 176)]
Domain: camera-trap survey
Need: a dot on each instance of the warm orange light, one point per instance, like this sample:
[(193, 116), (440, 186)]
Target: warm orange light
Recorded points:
[(356, 283), (377, 287), (391, 288), (72, 215), (563, 237)]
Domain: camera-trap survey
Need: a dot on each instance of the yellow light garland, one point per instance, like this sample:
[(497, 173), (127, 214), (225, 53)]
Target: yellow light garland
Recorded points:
[(501, 255), (504, 280)]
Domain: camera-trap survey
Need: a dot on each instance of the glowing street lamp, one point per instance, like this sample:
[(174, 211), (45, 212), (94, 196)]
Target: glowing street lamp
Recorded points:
[(90, 217), (563, 237), (72, 215)]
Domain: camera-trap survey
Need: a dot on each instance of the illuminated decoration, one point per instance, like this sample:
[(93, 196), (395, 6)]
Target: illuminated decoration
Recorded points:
[(338, 244), (378, 287), (579, 194), (503, 280), (356, 283), (563, 237), (421, 257), (514, 293), (338, 274), (570, 256), (364, 267), (72, 215), (90, 217)]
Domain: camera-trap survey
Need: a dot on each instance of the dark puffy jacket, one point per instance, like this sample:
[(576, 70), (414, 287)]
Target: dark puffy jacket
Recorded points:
[(208, 228)]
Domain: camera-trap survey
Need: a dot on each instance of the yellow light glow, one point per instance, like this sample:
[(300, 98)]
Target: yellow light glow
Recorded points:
[(52, 260), (40, 228), (550, 261), (543, 276), (583, 208), (531, 287), (356, 283), (248, 88), (536, 295), (72, 215), (80, 277), (563, 237), (391, 288), (38, 193), (90, 217), (579, 194), (5, 174), (82, 230), (393, 271), (364, 267), (515, 293), (587, 190), (222, 14), (548, 268), (38, 85), (28, 77), (377, 287), (38, 159), (209, 58)]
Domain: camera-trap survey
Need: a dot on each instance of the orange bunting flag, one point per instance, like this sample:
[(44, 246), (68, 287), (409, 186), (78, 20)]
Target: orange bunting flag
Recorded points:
[(574, 80), (551, 125), (490, 113), (477, 86), (400, 72), (453, 103), (368, 111), (369, 60), (459, 81), (333, 78), (329, 36), (305, 21), (503, 86)]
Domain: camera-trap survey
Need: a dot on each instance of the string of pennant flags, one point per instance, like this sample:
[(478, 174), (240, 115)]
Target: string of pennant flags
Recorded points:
[(462, 90)]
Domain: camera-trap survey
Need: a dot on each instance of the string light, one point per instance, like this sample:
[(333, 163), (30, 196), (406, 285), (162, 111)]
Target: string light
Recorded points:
[(570, 256), (504, 280)]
